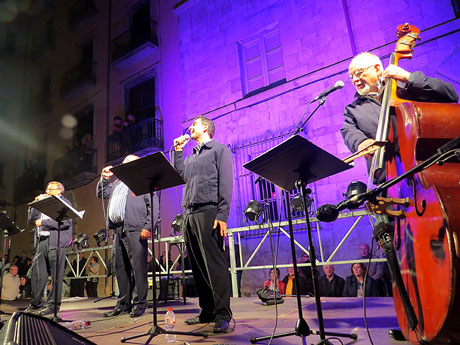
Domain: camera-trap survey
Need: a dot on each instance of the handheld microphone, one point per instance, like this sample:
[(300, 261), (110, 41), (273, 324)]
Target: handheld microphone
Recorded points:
[(181, 140), (338, 85)]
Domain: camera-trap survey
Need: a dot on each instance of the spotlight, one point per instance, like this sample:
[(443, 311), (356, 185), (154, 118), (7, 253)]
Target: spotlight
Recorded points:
[(297, 203), (355, 188), (81, 240), (253, 210), (100, 237), (178, 222)]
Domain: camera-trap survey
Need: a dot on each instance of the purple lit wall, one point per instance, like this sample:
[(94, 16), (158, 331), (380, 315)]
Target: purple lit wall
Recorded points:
[(317, 40)]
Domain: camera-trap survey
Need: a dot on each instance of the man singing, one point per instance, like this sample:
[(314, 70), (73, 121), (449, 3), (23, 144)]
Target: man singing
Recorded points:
[(129, 217), (206, 202), (46, 244)]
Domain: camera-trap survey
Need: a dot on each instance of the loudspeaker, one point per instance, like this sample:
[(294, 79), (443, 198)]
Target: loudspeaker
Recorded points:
[(30, 329)]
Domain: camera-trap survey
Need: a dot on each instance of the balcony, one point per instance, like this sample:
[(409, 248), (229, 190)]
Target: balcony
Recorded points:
[(135, 44), (30, 183), (142, 138), (78, 78), (77, 168), (81, 12)]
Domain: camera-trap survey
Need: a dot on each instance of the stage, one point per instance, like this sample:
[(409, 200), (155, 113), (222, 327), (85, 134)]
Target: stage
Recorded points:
[(252, 319)]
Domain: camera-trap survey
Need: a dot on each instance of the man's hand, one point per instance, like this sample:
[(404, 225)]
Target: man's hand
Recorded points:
[(145, 234), (397, 73), (223, 227), (180, 142), (365, 144), (38, 222), (106, 172)]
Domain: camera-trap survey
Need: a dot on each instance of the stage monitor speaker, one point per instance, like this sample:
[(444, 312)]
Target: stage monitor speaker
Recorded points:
[(30, 329)]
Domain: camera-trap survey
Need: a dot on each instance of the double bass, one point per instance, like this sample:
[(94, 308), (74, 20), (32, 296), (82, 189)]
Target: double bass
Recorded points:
[(427, 226)]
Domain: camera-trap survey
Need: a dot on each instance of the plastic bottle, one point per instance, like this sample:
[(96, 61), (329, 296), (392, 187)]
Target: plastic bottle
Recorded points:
[(77, 324), (170, 323)]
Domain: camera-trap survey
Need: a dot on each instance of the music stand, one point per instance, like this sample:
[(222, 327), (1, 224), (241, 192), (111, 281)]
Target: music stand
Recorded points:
[(58, 209), (147, 175), (303, 163), (8, 228)]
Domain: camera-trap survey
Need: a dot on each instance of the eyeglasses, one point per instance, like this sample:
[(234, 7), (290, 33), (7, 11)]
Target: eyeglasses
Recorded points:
[(359, 72)]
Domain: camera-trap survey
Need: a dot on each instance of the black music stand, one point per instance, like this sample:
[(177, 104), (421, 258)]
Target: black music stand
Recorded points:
[(147, 175), (8, 228), (303, 163), (58, 209)]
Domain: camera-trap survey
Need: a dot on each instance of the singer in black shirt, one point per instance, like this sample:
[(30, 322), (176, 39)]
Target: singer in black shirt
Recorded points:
[(206, 203)]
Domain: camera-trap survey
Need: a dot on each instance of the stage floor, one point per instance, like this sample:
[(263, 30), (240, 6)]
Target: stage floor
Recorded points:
[(252, 319)]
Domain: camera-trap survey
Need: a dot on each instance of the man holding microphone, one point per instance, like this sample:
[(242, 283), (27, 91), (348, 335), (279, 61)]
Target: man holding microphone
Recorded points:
[(206, 202)]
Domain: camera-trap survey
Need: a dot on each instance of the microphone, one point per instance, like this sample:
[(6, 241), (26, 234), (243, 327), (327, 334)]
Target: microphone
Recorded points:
[(338, 85), (181, 140), (328, 213)]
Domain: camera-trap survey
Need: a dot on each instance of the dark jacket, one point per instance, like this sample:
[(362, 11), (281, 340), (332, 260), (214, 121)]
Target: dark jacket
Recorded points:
[(208, 173), (351, 287), (302, 285), (51, 225), (332, 288), (137, 209), (362, 115)]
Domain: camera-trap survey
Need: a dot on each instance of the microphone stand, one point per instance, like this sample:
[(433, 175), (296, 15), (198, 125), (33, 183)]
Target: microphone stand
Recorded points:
[(298, 128)]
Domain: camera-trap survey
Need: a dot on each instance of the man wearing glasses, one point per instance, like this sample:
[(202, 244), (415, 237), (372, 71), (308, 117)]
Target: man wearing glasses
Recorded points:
[(46, 244), (362, 115)]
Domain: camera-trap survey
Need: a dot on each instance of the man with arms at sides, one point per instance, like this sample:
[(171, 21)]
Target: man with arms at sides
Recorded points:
[(206, 202), (362, 115), (330, 285), (46, 244), (129, 217), (10, 284)]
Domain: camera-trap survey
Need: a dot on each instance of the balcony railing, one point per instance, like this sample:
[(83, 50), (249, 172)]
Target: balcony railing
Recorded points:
[(77, 167), (138, 137), (81, 10), (138, 36), (78, 77)]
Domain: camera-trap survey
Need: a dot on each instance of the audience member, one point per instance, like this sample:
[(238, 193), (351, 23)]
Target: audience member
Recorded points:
[(130, 120), (274, 283), (23, 264), (77, 285), (290, 284), (117, 124), (92, 271), (354, 283), (376, 270), (10, 284), (305, 272), (330, 285), (25, 289)]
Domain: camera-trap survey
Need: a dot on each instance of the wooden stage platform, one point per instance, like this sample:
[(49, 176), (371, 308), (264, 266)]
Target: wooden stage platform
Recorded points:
[(252, 319)]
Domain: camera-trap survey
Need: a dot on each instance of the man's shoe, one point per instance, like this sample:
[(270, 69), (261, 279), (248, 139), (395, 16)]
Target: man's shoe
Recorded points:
[(137, 312), (221, 326), (32, 309), (198, 319), (396, 334), (116, 312), (47, 311)]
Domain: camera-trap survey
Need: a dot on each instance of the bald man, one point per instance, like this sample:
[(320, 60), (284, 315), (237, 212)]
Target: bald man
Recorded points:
[(129, 217)]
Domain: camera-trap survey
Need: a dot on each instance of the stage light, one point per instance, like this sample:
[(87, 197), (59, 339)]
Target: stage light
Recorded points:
[(355, 188), (297, 203), (100, 237), (178, 222), (253, 210), (81, 240)]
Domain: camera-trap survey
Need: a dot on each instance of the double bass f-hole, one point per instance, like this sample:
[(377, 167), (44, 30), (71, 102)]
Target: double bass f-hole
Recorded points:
[(411, 182)]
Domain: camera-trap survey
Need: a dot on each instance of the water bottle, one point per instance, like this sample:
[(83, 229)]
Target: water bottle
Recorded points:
[(77, 324), (170, 323)]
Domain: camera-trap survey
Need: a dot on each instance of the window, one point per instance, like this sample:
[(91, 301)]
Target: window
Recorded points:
[(261, 62), (141, 99)]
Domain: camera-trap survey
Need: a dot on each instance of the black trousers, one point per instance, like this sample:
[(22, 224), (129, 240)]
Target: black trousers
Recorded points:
[(91, 288), (131, 268), (43, 266), (209, 265)]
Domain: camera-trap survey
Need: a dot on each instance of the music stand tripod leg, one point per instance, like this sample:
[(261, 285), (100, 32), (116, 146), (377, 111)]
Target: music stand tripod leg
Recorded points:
[(155, 329)]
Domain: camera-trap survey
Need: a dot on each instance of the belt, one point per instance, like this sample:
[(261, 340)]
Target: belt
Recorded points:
[(42, 238)]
